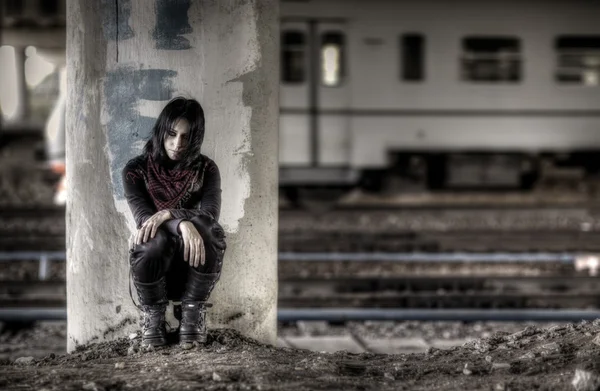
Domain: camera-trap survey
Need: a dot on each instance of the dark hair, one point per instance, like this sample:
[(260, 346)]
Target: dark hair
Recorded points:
[(177, 108)]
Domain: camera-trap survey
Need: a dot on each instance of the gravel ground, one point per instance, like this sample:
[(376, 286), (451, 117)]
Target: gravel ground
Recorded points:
[(25, 186), (23, 182), (563, 357), (29, 271), (42, 339), (410, 329), (50, 336), (441, 220), (308, 269)]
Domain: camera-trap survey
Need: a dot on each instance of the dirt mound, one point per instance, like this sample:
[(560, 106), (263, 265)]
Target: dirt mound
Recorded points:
[(217, 341), (563, 357)]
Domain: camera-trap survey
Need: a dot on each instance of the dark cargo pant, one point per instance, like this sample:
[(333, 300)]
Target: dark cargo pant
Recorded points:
[(162, 256)]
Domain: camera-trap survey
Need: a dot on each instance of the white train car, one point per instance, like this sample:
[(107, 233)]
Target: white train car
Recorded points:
[(461, 93)]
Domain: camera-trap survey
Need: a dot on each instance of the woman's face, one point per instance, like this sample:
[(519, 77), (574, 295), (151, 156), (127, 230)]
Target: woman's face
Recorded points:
[(177, 139)]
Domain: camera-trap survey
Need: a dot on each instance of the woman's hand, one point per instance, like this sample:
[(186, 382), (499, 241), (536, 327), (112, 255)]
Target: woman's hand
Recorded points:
[(193, 245), (150, 226)]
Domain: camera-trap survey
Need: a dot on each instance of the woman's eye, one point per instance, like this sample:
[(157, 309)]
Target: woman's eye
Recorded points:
[(171, 134)]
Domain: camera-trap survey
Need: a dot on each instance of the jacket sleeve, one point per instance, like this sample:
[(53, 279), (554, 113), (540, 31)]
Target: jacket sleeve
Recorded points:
[(210, 198), (139, 200)]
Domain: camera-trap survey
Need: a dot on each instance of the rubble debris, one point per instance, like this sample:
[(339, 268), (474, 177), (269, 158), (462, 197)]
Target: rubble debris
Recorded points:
[(512, 361), (585, 381), (24, 360)]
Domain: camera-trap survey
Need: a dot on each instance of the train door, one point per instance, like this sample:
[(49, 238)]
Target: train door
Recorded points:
[(314, 102), (333, 97)]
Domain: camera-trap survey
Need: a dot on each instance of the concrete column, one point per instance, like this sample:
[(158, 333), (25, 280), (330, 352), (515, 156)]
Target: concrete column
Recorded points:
[(125, 60)]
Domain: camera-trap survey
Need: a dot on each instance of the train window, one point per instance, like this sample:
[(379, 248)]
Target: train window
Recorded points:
[(293, 57), (332, 59), (578, 59), (413, 57), (491, 59), (49, 7)]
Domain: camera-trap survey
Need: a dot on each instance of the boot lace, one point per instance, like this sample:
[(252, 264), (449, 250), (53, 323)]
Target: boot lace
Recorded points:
[(145, 317), (196, 315)]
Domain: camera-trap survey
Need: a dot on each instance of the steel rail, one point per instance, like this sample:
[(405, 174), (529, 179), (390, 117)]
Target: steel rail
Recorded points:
[(43, 257), (453, 257), (401, 314), (7, 256)]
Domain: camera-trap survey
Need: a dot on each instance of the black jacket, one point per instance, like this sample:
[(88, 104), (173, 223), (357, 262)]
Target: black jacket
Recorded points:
[(202, 198)]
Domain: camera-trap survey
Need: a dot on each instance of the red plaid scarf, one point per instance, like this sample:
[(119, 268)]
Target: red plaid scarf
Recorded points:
[(167, 187)]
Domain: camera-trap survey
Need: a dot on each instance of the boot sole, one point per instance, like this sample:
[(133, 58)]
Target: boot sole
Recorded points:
[(160, 341), (192, 338)]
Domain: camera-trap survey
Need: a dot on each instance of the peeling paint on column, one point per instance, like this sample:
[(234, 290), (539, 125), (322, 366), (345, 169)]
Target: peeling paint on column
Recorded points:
[(231, 66), (115, 19), (171, 23), (123, 89), (238, 184)]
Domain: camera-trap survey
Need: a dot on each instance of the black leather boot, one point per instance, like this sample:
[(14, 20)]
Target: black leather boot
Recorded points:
[(153, 300), (193, 305)]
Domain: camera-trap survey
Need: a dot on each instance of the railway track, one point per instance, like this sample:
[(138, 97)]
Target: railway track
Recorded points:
[(410, 293), (364, 230), (422, 203), (32, 242), (465, 200), (424, 241), (479, 292), (358, 281), (429, 242), (31, 212), (340, 265)]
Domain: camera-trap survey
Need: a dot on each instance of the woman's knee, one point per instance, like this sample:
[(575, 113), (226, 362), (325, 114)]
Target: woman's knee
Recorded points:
[(202, 224), (213, 236), (154, 248), (210, 230)]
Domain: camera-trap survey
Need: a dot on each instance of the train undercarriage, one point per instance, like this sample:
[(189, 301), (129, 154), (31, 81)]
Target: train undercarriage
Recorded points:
[(441, 172)]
